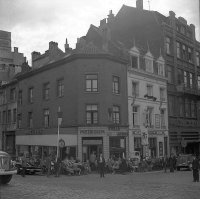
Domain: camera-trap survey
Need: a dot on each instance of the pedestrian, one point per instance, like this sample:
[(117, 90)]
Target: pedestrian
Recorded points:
[(48, 165), (24, 162), (92, 161), (171, 164), (195, 168), (165, 163), (101, 165), (57, 167)]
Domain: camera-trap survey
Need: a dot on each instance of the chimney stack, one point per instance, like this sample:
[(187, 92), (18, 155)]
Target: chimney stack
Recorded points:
[(139, 4)]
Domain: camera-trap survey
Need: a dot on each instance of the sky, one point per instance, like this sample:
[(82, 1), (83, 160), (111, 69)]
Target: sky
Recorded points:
[(34, 23)]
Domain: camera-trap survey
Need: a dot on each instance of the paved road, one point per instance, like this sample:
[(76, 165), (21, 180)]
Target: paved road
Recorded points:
[(154, 185)]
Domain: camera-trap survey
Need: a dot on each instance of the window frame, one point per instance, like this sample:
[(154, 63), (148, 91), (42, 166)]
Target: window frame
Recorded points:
[(94, 87), (116, 114), (60, 87), (92, 114), (116, 84)]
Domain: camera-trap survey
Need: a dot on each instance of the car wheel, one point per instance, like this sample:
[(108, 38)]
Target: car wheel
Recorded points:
[(5, 179)]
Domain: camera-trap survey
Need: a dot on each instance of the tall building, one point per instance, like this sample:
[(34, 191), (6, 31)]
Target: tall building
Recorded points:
[(176, 40), (11, 64)]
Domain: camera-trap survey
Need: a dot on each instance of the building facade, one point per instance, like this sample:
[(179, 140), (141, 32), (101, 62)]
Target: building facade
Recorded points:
[(90, 91), (147, 105)]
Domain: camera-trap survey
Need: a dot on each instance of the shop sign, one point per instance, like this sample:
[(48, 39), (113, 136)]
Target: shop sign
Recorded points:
[(61, 143), (35, 132), (92, 132), (92, 142), (122, 134), (113, 128)]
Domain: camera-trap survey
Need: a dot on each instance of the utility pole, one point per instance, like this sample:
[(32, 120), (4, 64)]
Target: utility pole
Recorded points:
[(149, 4)]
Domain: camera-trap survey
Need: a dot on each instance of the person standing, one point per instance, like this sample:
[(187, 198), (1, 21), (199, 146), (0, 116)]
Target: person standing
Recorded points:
[(57, 167), (195, 168), (24, 162), (48, 165), (101, 165), (171, 164), (92, 161)]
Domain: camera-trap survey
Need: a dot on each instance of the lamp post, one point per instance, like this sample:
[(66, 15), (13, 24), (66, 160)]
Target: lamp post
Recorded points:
[(58, 135)]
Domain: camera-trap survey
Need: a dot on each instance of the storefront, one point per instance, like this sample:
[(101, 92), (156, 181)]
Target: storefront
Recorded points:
[(36, 143)]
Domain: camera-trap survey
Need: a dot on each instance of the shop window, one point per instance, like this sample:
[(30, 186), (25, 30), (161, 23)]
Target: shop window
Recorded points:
[(116, 114), (138, 144), (60, 88), (153, 147), (91, 83), (69, 152), (116, 85), (117, 146), (91, 114)]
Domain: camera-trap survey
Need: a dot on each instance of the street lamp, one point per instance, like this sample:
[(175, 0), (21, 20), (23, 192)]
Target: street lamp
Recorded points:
[(58, 135)]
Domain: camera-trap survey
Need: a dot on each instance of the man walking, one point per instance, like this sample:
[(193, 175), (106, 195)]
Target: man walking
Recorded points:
[(101, 165), (195, 168), (24, 162)]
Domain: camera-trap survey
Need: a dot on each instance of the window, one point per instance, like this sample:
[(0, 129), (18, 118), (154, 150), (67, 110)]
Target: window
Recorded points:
[(20, 97), (46, 91), (92, 83), (184, 55), (46, 118), (152, 147), (190, 55), (178, 50), (198, 82), (91, 114), (115, 84), (9, 117), (187, 108), (138, 144), (30, 120), (19, 122), (168, 45), (193, 109), (185, 79), (4, 117), (12, 94), (162, 94), (149, 65), (149, 90), (191, 80), (161, 70), (60, 88), (135, 89), (162, 116), (171, 105), (197, 58), (135, 115), (170, 74), (134, 61), (183, 30), (30, 95), (180, 77), (181, 107), (116, 114), (14, 115), (149, 117)]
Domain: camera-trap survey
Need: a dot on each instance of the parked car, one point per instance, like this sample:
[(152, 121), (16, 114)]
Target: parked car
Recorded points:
[(184, 161), (30, 169), (6, 170)]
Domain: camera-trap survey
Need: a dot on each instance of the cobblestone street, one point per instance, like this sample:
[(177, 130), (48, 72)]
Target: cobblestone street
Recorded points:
[(155, 185)]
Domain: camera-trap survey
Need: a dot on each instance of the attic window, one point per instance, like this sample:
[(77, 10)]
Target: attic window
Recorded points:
[(134, 61), (161, 69), (149, 65)]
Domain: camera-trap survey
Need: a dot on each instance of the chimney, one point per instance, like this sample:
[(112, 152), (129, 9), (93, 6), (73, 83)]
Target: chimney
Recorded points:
[(139, 4), (67, 48), (102, 22), (53, 45), (15, 50), (35, 55), (110, 17)]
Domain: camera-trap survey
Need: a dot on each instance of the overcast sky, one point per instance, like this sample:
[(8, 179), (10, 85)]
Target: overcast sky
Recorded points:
[(33, 23)]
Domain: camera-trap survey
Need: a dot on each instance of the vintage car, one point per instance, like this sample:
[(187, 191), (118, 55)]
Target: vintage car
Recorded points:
[(184, 161), (6, 170), (30, 169)]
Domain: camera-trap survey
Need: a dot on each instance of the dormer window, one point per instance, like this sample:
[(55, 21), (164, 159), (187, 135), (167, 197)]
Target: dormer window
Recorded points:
[(134, 55), (149, 62), (161, 66), (134, 61)]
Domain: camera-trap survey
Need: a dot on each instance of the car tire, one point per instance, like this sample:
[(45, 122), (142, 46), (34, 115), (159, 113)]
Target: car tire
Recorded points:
[(5, 179)]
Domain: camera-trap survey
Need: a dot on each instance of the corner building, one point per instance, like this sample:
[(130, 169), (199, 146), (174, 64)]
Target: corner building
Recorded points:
[(90, 89)]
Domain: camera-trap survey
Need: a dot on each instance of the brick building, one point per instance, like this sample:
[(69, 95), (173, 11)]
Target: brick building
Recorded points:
[(89, 86)]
